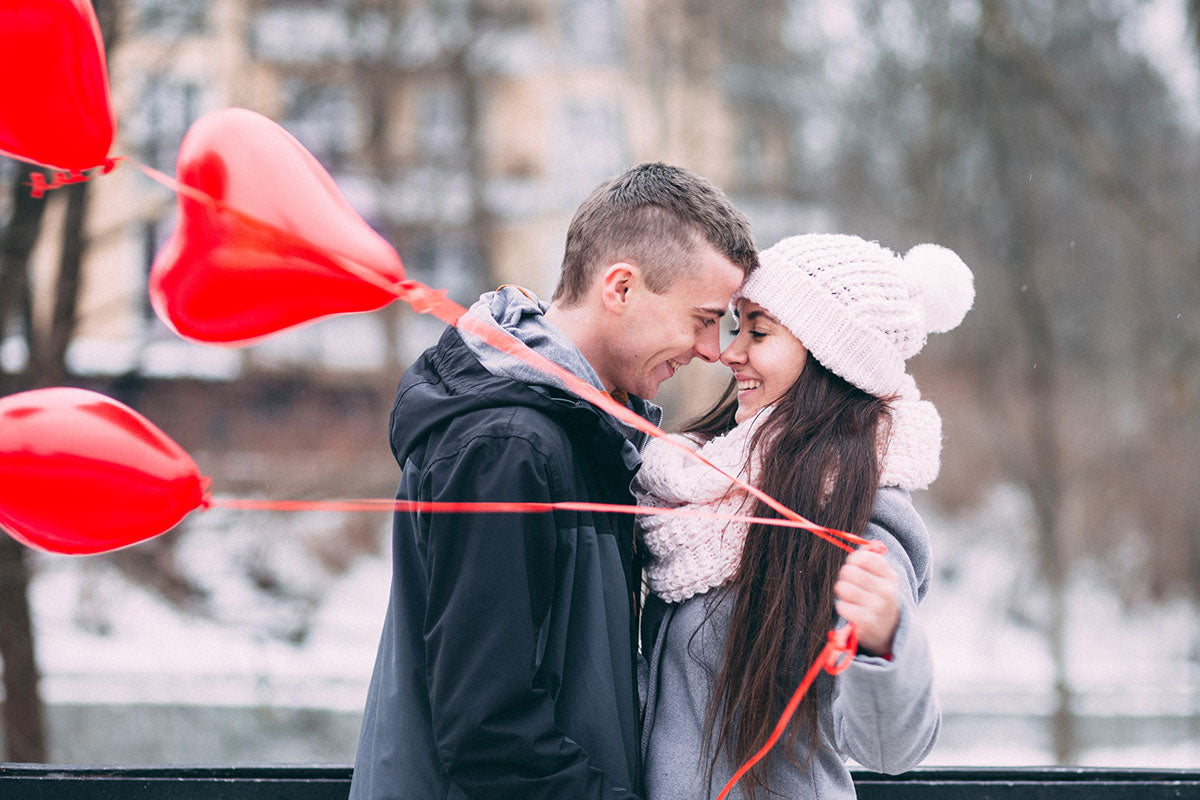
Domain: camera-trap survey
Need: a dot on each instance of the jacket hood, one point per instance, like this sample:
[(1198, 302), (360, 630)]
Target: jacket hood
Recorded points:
[(520, 314)]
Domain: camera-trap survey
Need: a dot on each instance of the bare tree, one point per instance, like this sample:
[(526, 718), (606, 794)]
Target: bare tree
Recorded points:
[(24, 717), (24, 728)]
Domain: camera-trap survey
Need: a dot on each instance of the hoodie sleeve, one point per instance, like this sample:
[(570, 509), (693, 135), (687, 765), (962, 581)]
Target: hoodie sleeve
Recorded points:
[(490, 582), (885, 713)]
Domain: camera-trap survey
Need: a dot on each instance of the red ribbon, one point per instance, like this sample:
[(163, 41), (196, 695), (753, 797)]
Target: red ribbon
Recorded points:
[(523, 507)]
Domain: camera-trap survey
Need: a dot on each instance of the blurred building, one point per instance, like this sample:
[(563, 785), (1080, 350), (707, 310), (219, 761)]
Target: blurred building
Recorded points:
[(464, 131)]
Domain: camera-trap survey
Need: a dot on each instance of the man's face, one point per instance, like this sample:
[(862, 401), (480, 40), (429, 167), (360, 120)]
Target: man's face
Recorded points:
[(661, 332)]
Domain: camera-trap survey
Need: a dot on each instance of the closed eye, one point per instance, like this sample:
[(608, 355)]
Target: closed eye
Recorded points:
[(754, 334)]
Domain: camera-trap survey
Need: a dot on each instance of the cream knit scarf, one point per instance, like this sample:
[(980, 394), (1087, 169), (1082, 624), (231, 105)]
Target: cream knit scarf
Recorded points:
[(691, 556)]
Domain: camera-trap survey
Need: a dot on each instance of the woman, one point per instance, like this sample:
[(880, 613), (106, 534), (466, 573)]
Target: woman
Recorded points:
[(826, 420)]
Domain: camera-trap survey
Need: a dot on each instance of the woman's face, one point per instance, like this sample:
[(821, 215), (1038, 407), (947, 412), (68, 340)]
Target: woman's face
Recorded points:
[(765, 357)]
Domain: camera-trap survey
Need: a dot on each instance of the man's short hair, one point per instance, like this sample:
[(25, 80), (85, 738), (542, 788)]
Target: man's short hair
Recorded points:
[(655, 216)]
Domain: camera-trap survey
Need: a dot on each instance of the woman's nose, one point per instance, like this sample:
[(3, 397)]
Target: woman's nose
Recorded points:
[(733, 355)]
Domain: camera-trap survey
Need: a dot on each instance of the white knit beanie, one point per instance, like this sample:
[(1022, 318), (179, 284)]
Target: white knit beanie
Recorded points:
[(862, 311)]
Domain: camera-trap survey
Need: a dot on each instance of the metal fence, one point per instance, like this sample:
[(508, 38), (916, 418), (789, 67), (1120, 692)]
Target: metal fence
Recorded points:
[(40, 782)]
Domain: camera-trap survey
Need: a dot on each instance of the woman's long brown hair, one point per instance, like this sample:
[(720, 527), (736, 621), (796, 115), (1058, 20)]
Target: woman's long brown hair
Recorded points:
[(817, 454)]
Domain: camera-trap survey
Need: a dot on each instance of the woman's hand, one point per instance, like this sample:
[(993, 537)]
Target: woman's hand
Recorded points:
[(868, 595)]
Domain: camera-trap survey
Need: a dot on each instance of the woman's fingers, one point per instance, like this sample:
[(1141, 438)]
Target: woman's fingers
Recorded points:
[(867, 592), (870, 561), (859, 578), (872, 574)]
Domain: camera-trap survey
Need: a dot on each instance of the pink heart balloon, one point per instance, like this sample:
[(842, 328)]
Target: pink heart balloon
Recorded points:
[(82, 473), (278, 244), (55, 103)]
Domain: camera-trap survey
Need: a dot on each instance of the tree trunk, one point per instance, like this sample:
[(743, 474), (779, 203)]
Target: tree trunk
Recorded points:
[(49, 362), (24, 727), (24, 715), (17, 243), (1043, 470), (470, 84)]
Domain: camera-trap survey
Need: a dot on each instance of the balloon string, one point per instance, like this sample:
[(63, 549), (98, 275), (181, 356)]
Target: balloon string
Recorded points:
[(191, 192), (837, 654), (841, 646), (516, 507), (425, 300)]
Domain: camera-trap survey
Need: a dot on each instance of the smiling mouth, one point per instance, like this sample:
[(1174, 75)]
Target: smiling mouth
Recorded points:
[(673, 364), (745, 386)]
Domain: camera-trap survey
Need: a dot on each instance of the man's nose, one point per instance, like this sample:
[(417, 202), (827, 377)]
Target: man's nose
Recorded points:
[(708, 347)]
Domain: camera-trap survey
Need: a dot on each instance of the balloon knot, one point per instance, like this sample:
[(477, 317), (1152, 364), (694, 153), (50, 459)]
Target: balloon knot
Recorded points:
[(206, 500), (39, 185), (425, 300), (418, 295), (841, 649), (111, 163)]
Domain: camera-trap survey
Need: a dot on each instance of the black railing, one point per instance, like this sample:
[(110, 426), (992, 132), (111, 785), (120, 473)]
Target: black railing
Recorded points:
[(41, 782)]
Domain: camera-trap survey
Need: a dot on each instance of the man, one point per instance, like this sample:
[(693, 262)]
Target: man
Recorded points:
[(507, 665)]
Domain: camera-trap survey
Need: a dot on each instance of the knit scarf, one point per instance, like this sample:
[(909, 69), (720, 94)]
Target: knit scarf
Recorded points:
[(691, 555)]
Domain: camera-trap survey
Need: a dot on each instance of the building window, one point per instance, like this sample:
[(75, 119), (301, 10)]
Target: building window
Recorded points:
[(450, 260), (441, 128), (168, 107), (324, 118), (172, 17), (593, 31), (301, 35), (591, 144), (752, 159), (154, 234)]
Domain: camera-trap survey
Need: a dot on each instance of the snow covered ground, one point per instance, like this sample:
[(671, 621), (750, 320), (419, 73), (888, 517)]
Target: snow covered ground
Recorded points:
[(130, 679), (1135, 674)]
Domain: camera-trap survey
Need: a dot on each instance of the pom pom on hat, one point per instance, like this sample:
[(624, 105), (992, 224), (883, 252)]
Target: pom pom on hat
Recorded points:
[(944, 284)]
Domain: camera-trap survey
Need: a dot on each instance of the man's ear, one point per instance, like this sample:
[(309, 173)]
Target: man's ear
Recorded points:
[(616, 283)]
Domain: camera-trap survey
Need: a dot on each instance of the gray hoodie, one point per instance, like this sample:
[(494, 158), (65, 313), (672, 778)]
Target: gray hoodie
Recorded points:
[(881, 713), (522, 315)]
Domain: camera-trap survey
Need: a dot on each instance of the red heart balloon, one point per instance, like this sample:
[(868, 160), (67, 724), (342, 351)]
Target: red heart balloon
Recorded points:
[(277, 244), (55, 103), (82, 473)]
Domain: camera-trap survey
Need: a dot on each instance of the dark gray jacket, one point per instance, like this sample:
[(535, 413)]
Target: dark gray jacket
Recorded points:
[(507, 666), (883, 714)]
